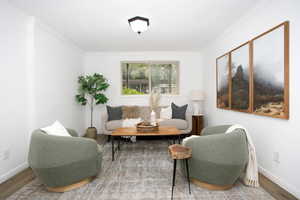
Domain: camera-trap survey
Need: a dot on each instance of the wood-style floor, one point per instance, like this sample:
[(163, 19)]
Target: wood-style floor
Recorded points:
[(15, 183), (276, 191)]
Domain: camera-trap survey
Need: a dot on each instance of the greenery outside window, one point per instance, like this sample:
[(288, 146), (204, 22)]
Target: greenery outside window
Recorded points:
[(140, 78)]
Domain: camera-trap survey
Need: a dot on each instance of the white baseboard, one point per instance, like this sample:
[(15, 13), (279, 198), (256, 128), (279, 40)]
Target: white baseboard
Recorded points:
[(13, 172), (291, 189)]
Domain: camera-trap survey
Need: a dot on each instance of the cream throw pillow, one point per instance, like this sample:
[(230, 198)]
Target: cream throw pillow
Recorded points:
[(166, 113), (56, 129)]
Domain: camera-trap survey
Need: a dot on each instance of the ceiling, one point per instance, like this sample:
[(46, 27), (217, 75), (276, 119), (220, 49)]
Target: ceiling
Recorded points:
[(101, 25)]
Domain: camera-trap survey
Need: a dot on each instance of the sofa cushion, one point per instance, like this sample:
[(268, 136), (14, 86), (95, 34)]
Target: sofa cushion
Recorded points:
[(113, 124), (130, 112), (178, 112), (178, 123), (166, 113), (145, 112), (114, 113), (131, 122)]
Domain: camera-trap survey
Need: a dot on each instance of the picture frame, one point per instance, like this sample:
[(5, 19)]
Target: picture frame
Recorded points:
[(256, 76), (222, 81), (240, 78), (271, 72)]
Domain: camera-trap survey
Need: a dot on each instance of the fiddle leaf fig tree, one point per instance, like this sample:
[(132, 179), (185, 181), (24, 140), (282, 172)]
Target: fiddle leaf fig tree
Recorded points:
[(91, 91)]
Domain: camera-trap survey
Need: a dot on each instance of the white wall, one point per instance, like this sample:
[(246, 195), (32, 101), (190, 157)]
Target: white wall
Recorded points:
[(58, 63), (269, 134), (109, 65), (39, 70), (13, 87)]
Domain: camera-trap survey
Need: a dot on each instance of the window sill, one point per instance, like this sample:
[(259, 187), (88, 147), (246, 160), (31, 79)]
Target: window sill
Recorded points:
[(147, 95)]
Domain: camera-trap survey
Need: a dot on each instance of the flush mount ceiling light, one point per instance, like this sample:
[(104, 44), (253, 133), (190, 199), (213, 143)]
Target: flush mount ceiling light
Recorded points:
[(139, 24)]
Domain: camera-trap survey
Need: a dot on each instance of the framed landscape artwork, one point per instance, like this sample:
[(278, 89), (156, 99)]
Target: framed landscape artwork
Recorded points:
[(240, 78), (259, 75), (223, 81), (270, 72)]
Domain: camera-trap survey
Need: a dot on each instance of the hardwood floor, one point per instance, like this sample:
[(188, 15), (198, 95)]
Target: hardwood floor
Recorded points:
[(15, 183), (276, 191)]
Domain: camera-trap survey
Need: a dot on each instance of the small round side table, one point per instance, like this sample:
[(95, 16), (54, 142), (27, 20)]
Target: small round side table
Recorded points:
[(179, 152)]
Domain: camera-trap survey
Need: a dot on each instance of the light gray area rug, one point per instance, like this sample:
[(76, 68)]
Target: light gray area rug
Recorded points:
[(141, 171)]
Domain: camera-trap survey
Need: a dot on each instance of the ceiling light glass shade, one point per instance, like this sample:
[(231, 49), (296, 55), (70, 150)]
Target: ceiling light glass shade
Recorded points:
[(139, 24)]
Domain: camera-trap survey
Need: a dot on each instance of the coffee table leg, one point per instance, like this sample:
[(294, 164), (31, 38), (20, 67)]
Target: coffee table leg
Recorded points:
[(174, 175), (112, 149), (187, 173), (178, 139), (119, 140)]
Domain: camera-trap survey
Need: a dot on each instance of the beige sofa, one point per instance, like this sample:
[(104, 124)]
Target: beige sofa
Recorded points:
[(183, 125)]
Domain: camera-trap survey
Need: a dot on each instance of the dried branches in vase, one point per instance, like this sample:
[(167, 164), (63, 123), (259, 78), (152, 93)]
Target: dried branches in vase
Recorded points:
[(154, 100)]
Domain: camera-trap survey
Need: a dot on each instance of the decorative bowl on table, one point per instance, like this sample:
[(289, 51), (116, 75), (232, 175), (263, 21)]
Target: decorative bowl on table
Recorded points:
[(145, 127)]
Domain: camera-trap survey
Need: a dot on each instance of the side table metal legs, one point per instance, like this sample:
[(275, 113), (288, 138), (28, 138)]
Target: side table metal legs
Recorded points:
[(112, 149), (187, 173), (174, 175), (178, 139)]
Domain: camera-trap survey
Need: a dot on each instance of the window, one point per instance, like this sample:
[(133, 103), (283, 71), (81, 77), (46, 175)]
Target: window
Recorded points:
[(139, 78)]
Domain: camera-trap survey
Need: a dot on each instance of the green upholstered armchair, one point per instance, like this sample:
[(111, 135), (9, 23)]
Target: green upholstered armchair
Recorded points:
[(60, 161), (218, 159)]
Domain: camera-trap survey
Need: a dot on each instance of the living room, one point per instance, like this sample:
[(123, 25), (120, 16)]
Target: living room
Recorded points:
[(46, 46)]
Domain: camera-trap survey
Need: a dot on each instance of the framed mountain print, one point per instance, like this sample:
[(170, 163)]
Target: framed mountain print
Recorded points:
[(271, 72), (240, 78), (254, 77), (222, 64)]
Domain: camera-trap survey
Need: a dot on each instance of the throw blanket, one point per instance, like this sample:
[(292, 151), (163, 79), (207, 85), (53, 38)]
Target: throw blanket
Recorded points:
[(251, 174)]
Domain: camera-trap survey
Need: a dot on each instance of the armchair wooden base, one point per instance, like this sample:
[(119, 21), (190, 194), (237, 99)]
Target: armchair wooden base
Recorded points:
[(70, 187), (210, 186)]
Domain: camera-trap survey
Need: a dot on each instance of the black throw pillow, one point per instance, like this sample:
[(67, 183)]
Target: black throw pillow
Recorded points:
[(114, 113), (178, 112)]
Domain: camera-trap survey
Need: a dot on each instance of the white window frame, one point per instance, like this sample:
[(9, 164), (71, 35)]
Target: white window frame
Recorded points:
[(149, 62)]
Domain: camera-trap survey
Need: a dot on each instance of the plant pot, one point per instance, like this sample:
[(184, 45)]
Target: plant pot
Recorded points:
[(91, 132)]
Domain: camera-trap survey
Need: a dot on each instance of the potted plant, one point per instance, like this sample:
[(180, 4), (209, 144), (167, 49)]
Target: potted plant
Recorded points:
[(91, 88)]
